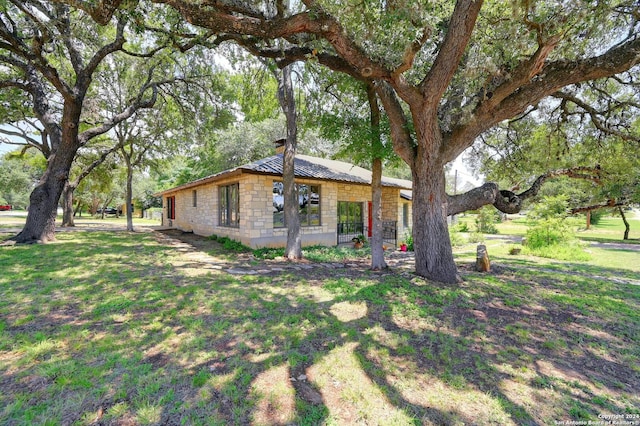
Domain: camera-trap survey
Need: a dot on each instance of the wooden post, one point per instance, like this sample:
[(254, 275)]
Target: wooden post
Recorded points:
[(482, 259)]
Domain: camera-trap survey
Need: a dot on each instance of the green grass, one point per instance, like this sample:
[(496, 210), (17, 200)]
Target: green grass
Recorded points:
[(122, 328)]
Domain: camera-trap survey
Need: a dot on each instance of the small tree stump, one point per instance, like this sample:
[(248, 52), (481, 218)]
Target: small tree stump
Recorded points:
[(482, 259)]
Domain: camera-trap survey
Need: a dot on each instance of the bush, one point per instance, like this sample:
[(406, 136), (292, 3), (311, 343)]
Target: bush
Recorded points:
[(486, 220), (456, 238), (408, 239), (567, 251), (476, 237), (461, 227), (550, 223), (268, 253), (596, 215), (229, 244)]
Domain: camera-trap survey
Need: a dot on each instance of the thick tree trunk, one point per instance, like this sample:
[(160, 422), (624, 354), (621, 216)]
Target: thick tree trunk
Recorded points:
[(43, 202), (432, 246), (293, 250), (627, 228), (67, 205)]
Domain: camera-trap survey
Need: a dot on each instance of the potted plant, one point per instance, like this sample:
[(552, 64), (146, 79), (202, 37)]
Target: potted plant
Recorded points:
[(403, 247), (358, 242)]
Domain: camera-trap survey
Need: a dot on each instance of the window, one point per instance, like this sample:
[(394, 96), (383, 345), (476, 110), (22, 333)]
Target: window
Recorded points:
[(171, 207), (405, 215), (308, 204), (349, 212), (194, 197), (229, 208), (350, 218)]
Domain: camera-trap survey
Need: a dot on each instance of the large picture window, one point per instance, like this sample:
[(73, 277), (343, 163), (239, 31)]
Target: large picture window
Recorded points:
[(308, 204), (229, 208)]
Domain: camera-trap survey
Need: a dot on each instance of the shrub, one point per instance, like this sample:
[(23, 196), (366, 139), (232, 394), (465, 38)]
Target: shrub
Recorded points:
[(596, 215), (571, 251), (461, 227), (268, 253), (486, 220), (408, 239), (231, 245), (476, 237), (550, 223), (456, 238)]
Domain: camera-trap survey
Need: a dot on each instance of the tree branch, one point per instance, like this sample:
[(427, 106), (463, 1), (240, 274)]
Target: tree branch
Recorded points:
[(608, 203), (552, 78), (508, 201), (139, 103), (595, 116), (455, 42), (101, 11), (403, 143)]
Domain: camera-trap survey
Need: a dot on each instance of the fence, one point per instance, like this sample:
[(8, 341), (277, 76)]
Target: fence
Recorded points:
[(349, 230)]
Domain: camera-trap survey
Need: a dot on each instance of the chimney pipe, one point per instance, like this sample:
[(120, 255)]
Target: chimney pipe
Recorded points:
[(280, 146)]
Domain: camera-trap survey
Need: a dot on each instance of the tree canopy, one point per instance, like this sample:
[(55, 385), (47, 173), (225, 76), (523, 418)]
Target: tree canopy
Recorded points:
[(446, 73)]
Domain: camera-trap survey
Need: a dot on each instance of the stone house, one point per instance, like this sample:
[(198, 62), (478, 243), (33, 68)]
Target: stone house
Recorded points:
[(246, 203)]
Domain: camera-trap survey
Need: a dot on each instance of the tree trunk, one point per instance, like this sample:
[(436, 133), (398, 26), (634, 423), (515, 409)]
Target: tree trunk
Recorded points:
[(588, 219), (432, 246), (129, 197), (78, 209), (43, 201), (377, 250), (67, 205), (293, 250), (626, 223)]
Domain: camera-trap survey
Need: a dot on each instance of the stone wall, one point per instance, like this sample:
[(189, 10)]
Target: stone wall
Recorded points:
[(256, 210)]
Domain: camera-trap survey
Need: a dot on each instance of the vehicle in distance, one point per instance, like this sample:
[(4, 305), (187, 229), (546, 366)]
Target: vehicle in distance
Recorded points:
[(109, 210)]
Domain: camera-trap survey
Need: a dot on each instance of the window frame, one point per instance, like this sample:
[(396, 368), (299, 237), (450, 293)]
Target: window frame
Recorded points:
[(194, 197), (309, 214), (348, 205), (229, 208), (405, 215)]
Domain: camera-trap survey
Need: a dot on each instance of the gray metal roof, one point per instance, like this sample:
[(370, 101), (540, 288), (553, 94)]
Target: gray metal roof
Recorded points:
[(305, 167)]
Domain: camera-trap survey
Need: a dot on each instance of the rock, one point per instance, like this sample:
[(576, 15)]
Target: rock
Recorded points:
[(241, 272)]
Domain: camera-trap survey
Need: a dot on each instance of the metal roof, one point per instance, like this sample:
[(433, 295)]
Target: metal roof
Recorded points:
[(305, 167)]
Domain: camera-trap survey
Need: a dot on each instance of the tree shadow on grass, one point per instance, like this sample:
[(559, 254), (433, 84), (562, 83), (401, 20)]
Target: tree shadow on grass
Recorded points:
[(145, 341)]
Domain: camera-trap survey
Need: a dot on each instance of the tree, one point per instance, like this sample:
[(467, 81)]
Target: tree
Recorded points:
[(377, 249), (287, 101), (18, 173), (85, 166), (445, 74), (558, 136), (53, 53)]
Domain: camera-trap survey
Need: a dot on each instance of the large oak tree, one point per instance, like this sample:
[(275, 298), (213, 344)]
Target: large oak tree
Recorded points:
[(51, 54), (446, 72)]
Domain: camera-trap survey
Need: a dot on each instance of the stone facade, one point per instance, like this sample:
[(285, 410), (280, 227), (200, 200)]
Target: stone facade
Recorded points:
[(199, 213)]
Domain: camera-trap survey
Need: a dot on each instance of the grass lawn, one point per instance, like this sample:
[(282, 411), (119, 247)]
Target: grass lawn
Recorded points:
[(135, 328), (607, 229)]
